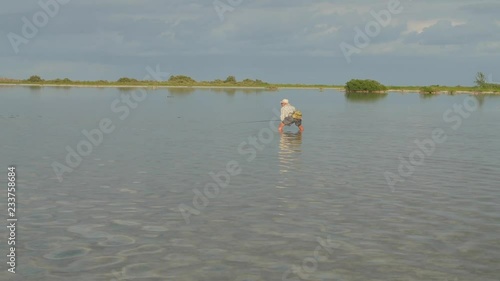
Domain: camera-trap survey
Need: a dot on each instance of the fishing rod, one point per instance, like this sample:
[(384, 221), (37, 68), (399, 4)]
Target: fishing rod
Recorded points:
[(247, 122)]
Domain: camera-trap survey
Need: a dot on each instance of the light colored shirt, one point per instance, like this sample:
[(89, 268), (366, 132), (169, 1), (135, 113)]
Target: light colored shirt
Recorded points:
[(286, 111)]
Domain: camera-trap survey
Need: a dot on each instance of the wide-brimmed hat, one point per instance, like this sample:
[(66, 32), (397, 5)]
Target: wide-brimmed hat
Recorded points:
[(285, 101)]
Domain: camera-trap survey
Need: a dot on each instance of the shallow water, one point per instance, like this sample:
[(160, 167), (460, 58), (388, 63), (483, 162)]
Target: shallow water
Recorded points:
[(311, 206)]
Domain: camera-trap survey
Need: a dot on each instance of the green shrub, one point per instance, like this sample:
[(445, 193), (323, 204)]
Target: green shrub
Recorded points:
[(35, 79), (230, 79), (126, 80), (367, 86), (181, 79)]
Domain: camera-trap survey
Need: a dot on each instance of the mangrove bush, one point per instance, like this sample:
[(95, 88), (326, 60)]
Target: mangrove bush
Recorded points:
[(364, 86)]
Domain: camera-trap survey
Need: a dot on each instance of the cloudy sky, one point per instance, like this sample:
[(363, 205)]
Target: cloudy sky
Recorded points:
[(284, 41)]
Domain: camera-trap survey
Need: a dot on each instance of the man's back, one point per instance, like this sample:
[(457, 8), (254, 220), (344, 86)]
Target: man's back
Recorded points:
[(286, 111)]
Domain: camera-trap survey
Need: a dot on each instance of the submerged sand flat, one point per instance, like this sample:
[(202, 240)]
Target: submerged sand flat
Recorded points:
[(315, 206)]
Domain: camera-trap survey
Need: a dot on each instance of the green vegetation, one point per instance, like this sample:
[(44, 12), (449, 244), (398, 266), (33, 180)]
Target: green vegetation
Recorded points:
[(63, 81), (364, 86), (126, 80), (174, 80), (230, 79), (481, 80), (183, 81), (35, 79), (429, 90), (483, 84)]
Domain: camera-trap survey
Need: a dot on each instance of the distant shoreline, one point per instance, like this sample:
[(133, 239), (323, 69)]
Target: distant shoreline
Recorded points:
[(270, 88)]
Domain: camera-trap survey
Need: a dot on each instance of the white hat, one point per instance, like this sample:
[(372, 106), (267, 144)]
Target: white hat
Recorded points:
[(285, 101)]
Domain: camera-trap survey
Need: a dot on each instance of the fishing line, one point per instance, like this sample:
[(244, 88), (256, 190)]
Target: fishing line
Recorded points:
[(248, 122)]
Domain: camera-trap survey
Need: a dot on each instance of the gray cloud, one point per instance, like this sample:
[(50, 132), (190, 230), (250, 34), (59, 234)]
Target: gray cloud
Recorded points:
[(445, 33), (120, 37)]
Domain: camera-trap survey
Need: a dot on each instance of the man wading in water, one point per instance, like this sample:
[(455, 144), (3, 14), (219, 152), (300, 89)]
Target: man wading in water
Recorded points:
[(289, 116)]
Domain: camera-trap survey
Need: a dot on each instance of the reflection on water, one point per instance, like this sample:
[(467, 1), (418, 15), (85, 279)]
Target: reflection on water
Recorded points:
[(365, 97), (35, 88), (232, 91), (289, 158), (127, 89), (479, 99), (181, 91), (227, 91), (425, 96)]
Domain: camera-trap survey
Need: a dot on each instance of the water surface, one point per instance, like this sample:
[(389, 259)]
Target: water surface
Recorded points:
[(311, 206)]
